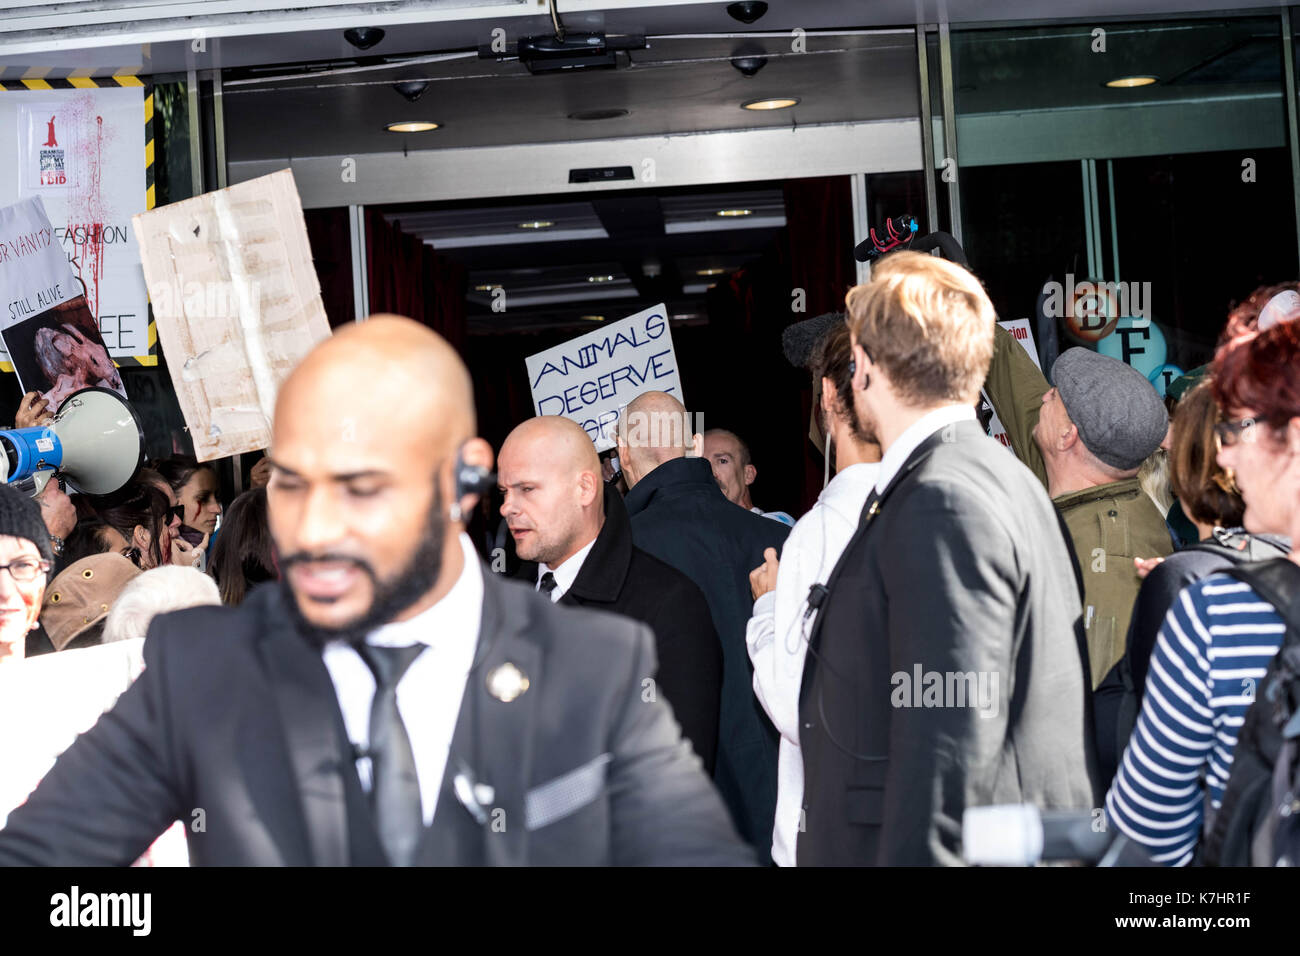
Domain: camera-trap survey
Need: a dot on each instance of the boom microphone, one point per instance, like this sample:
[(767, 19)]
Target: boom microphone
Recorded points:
[(799, 340), (895, 233), (1023, 835), (948, 247)]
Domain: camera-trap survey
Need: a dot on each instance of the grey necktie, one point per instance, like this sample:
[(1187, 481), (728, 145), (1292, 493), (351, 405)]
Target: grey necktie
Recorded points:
[(548, 584), (395, 791)]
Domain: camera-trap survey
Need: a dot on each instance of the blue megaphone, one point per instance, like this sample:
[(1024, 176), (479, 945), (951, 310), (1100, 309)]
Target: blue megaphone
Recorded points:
[(95, 443)]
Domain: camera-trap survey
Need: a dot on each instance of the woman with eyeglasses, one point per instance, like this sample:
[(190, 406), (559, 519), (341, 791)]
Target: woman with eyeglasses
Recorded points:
[(1219, 636), (25, 561)]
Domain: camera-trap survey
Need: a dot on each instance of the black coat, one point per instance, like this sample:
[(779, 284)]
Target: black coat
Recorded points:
[(236, 714), (680, 516), (618, 577), (961, 573)]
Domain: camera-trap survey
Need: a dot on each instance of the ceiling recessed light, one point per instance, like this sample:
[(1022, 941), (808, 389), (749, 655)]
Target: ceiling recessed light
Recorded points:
[(600, 278), (709, 272), (1128, 82), (771, 103), (412, 126), (729, 213), (590, 115), (593, 318), (536, 224)]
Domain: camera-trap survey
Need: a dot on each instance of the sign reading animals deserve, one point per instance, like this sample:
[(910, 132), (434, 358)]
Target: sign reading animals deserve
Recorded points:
[(590, 378)]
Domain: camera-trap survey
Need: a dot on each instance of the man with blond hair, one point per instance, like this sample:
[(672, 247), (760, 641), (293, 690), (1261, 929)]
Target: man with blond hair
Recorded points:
[(946, 668)]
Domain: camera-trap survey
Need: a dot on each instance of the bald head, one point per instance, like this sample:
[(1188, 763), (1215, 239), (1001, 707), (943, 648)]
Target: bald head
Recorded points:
[(387, 363), (654, 428), (549, 474)]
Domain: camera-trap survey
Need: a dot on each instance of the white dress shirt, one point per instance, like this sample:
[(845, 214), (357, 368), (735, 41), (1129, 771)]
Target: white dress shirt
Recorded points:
[(777, 634), (430, 692), (897, 454), (566, 573)]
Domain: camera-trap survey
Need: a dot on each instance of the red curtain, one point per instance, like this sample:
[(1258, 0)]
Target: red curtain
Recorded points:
[(331, 250), (408, 278)]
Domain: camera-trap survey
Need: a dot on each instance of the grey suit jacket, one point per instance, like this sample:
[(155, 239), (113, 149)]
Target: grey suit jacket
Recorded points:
[(946, 668), (236, 716)]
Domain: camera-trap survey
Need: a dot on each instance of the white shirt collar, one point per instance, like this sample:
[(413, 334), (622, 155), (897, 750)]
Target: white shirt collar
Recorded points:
[(457, 614), (567, 572), (916, 433)]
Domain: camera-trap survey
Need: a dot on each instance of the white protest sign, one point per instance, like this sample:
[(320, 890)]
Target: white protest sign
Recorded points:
[(84, 152), (1023, 333), (46, 702), (34, 273), (588, 379)]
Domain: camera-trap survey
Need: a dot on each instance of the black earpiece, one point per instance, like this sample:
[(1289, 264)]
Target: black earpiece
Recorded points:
[(472, 479)]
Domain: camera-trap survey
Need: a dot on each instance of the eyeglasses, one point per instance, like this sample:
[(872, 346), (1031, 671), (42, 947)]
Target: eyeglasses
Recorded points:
[(177, 512), (24, 570), (1229, 433)]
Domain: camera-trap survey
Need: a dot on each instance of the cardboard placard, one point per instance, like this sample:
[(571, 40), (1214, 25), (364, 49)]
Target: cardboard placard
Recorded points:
[(237, 303), (588, 379)]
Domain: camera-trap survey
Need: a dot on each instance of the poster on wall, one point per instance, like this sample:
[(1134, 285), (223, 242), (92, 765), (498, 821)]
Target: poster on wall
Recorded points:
[(84, 147), (590, 378), (53, 342)]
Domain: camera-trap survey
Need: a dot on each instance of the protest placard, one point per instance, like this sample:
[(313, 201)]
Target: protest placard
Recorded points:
[(1023, 333), (85, 147), (52, 340), (46, 702), (237, 304), (588, 379)]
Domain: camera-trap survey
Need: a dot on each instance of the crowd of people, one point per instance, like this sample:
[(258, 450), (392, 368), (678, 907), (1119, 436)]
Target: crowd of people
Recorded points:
[(93, 548), (625, 653)]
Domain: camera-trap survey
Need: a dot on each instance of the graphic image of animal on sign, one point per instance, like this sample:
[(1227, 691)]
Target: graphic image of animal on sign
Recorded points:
[(59, 350)]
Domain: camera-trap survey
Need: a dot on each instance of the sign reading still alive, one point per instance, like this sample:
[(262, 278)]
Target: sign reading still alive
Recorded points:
[(588, 379), (82, 152)]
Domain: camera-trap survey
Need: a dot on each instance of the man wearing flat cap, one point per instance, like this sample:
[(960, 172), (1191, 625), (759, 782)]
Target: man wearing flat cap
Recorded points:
[(1094, 429)]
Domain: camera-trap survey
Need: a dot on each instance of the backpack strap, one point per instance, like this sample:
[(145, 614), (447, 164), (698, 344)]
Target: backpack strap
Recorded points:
[(1267, 741)]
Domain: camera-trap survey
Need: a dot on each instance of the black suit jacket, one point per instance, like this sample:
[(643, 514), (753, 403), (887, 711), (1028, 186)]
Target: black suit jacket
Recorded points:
[(621, 578), (681, 517), (236, 715), (962, 573)]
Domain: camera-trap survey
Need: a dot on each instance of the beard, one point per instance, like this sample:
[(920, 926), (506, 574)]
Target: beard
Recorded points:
[(391, 596)]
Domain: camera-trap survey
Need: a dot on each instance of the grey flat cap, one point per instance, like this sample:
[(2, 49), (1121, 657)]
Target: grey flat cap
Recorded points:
[(1120, 417)]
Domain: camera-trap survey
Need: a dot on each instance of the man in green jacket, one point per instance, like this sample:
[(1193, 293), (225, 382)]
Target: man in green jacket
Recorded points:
[(1085, 439)]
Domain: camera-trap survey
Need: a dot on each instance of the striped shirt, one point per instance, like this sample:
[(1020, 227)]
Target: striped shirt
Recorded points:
[(1214, 647)]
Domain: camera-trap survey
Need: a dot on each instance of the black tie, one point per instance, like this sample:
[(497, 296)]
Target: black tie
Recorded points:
[(548, 583), (395, 791)]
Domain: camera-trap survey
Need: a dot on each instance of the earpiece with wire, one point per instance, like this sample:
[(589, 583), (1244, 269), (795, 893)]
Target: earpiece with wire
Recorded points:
[(470, 480)]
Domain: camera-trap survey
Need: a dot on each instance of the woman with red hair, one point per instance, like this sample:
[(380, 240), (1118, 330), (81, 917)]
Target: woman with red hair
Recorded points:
[(1219, 636)]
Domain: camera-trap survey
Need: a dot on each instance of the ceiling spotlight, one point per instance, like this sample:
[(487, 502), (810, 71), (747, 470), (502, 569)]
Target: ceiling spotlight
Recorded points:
[(363, 38), (412, 126), (536, 224), (710, 272), (411, 89), (592, 318), (747, 12), (729, 213), (600, 278), (1129, 82), (487, 288), (771, 103), (590, 115)]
